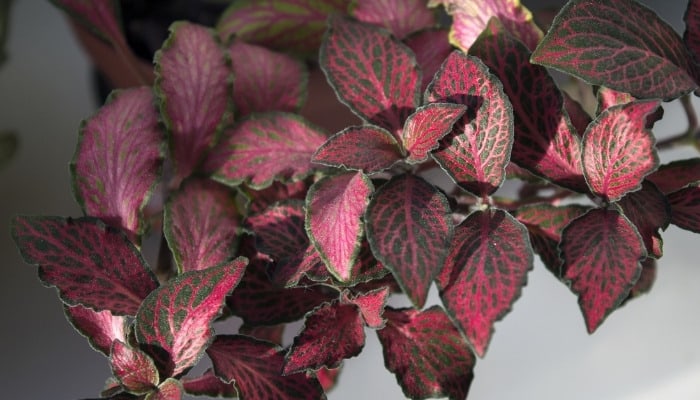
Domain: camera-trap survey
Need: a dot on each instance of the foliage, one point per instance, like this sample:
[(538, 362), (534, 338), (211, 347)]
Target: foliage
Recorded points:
[(271, 219)]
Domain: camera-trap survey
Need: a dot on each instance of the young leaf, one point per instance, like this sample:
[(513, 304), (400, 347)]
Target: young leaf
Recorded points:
[(266, 80), (602, 252), (477, 151), (334, 210), (256, 367), (331, 333), (91, 264), (364, 148), (426, 126), (484, 273), (177, 317), (99, 16), (193, 85), (648, 210), (546, 143), (676, 175), (201, 223), (431, 47), (134, 369), (101, 328), (284, 25), (265, 147), (428, 355), (400, 17), (371, 305), (685, 207), (618, 152), (619, 44), (117, 160), (170, 389), (210, 385), (409, 228), (373, 73)]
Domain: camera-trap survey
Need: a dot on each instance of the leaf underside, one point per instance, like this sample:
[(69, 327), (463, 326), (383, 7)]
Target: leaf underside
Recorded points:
[(99, 328), (685, 208)]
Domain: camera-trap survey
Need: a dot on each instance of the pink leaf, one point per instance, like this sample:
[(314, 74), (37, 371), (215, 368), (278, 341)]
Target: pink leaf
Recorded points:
[(331, 333), (477, 151), (374, 74), (193, 83), (676, 175), (100, 16), (99, 328), (428, 355), (265, 147), (177, 317), (371, 305), (608, 97), (256, 367), (426, 126), (431, 47), (334, 209), (201, 223), (134, 369), (170, 389), (484, 273), (210, 385), (364, 148), (90, 264), (266, 80), (409, 228), (685, 207), (400, 17), (648, 210), (328, 377), (601, 252), (618, 152), (118, 158)]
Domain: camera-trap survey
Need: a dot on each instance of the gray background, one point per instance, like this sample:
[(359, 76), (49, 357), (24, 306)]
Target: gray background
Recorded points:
[(649, 349)]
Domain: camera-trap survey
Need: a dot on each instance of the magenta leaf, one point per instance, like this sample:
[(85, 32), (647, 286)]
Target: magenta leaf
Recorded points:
[(399, 17), (170, 389), (177, 317), (328, 377), (431, 47), (284, 25), (99, 16), (620, 44), (134, 369), (371, 305), (477, 151), (91, 264), (676, 175), (193, 85), (428, 355), (426, 126), (602, 252), (201, 224), (256, 367), (685, 207), (373, 73), (618, 151), (484, 273), (691, 36), (648, 210), (363, 148), (409, 228), (546, 143), (334, 209), (331, 333), (118, 158), (266, 80), (210, 385), (265, 147), (99, 328), (608, 97)]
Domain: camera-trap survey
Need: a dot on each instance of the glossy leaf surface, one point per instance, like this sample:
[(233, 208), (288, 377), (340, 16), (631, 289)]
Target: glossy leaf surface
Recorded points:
[(602, 252), (648, 210), (91, 264), (100, 328), (685, 207), (409, 229), (399, 17), (426, 126), (676, 175), (484, 273), (364, 148), (133, 368), (622, 45), (431, 47), (210, 385)]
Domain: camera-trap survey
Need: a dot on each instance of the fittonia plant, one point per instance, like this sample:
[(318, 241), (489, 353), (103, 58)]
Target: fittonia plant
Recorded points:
[(273, 220)]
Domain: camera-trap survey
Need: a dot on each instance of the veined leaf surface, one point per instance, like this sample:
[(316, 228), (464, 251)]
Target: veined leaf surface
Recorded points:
[(431, 47), (169, 389), (676, 175), (685, 207), (648, 210), (134, 369), (210, 385), (426, 126), (370, 304), (399, 17), (364, 148), (100, 328)]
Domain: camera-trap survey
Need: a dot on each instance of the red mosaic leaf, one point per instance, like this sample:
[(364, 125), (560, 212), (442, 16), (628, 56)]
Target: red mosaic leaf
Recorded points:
[(622, 45), (99, 16), (363, 148), (284, 25), (201, 224), (426, 126), (431, 47), (373, 73), (266, 80), (371, 305), (256, 367), (99, 328), (91, 264), (691, 36), (193, 85), (602, 252), (477, 151), (334, 209), (118, 159), (428, 355), (545, 143), (134, 369), (676, 175), (608, 97), (409, 228), (685, 207), (399, 17), (170, 389), (210, 385), (331, 333), (648, 210), (484, 273), (265, 147), (177, 317), (262, 199), (618, 151)]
